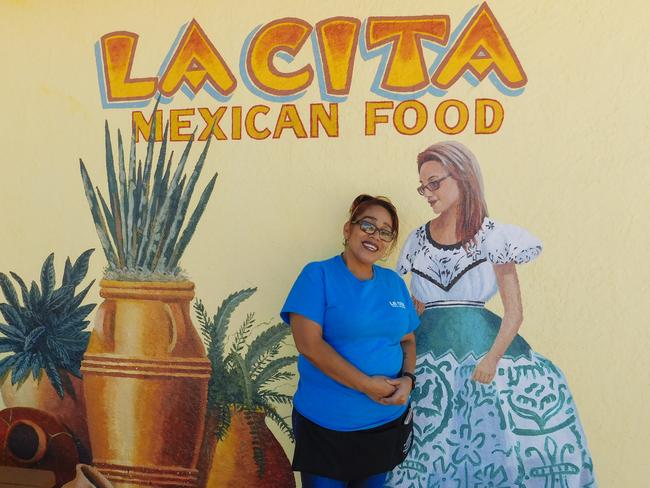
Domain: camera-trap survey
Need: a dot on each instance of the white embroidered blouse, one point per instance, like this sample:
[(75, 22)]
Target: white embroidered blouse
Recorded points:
[(447, 275)]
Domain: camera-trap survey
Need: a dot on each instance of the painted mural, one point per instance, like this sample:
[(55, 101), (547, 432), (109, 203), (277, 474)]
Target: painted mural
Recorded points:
[(164, 181), (200, 415)]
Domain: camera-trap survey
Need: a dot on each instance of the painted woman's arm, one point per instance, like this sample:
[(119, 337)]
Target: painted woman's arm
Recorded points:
[(513, 316), (308, 336)]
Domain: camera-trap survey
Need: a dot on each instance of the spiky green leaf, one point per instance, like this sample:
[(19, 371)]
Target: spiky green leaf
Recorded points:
[(280, 376), (204, 322), (9, 291), (12, 317), (37, 367), (8, 345), (80, 267), (100, 225), (7, 363), (61, 354), (53, 374), (48, 277), (273, 414), (34, 297), (31, 341), (114, 197), (224, 418), (67, 271), (161, 227), (158, 194), (78, 314), (23, 288), (21, 368), (242, 334), (13, 334), (222, 318), (132, 213), (123, 193), (272, 368), (164, 186), (271, 337), (274, 396), (243, 378), (60, 297), (77, 299), (182, 208), (110, 221), (192, 223)]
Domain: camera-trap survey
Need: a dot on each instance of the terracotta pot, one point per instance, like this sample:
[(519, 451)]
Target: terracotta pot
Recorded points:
[(38, 443), (88, 477), (145, 380), (41, 395), (233, 463)]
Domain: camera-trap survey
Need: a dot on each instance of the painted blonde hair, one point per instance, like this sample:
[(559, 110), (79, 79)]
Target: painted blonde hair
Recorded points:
[(463, 167)]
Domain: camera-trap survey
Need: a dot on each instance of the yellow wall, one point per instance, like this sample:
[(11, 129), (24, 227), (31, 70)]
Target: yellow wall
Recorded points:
[(570, 163)]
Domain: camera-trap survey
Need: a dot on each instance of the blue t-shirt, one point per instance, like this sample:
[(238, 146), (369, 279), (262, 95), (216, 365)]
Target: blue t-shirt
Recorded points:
[(364, 321)]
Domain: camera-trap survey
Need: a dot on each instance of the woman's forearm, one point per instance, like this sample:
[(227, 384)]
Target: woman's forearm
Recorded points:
[(330, 362), (513, 314), (308, 336), (507, 332)]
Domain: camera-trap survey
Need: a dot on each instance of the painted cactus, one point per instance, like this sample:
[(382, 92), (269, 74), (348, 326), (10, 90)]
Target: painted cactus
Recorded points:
[(141, 226)]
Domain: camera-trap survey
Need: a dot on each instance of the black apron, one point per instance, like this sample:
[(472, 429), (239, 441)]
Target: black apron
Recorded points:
[(351, 455)]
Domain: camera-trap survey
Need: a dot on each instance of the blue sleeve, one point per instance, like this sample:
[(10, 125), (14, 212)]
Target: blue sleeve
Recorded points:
[(414, 320), (307, 296)]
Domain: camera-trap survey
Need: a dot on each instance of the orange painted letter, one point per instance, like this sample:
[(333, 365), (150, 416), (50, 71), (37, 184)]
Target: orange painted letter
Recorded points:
[(481, 123), (287, 35), (196, 61), (481, 48), (338, 38), (406, 70), (118, 51), (441, 117), (373, 118), (143, 126)]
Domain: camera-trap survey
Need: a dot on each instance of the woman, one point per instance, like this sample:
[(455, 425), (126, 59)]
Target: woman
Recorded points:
[(488, 411), (353, 324)]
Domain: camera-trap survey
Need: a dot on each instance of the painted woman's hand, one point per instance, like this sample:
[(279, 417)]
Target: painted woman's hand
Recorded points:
[(402, 391), (378, 388), (419, 306), (485, 370)]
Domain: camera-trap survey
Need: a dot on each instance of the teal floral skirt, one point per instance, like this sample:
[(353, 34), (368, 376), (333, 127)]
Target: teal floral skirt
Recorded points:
[(522, 430)]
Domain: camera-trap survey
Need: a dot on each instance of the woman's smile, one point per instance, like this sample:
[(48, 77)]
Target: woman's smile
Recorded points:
[(370, 246)]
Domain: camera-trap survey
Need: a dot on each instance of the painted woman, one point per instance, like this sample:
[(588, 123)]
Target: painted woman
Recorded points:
[(488, 411)]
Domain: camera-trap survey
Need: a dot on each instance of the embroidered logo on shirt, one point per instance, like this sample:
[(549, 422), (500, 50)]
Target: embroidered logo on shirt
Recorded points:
[(396, 304)]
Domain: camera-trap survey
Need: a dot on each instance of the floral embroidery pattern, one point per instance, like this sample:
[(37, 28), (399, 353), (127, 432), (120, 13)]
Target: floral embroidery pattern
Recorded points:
[(490, 436)]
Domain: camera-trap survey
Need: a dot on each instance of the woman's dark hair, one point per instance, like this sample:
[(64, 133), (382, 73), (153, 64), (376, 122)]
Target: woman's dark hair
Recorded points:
[(364, 201)]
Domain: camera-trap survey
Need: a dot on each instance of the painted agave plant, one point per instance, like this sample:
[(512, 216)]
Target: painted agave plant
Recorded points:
[(141, 226), (243, 377), (46, 332)]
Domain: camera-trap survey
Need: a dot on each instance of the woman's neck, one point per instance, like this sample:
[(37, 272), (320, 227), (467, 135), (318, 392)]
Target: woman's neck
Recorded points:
[(443, 227), (361, 271)]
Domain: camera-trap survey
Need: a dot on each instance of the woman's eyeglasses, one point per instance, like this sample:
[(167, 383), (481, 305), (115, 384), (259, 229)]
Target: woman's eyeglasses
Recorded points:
[(370, 228), (432, 185)]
